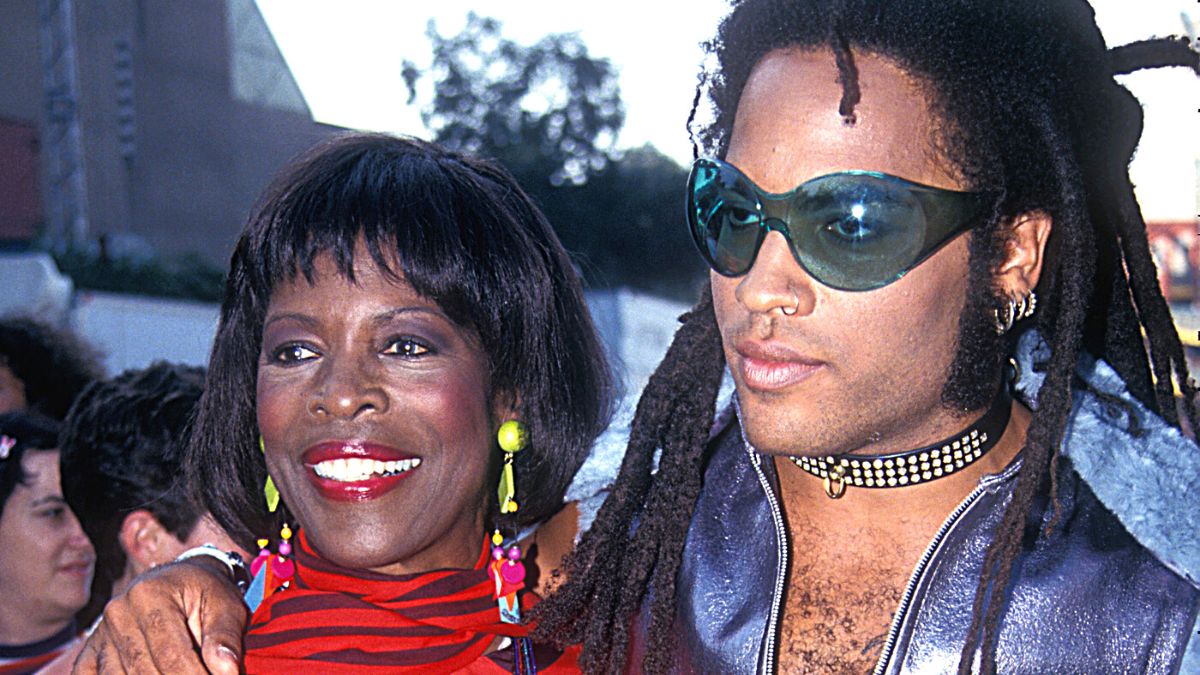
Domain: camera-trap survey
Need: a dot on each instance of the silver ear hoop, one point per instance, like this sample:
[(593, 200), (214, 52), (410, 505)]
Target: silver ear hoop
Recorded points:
[(1028, 306), (1012, 311)]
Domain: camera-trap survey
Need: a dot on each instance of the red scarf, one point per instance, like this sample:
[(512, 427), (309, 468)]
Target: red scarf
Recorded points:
[(336, 620)]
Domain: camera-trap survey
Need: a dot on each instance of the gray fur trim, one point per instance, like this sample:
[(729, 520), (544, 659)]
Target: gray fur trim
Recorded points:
[(1149, 479)]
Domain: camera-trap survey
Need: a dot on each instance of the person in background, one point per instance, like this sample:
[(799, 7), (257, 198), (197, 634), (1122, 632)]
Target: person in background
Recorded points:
[(43, 368), (46, 561), (122, 447)]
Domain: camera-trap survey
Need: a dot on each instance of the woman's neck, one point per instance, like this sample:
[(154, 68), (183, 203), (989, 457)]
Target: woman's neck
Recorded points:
[(21, 627)]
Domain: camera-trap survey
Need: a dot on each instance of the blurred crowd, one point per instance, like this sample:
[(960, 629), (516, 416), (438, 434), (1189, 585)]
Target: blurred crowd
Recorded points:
[(89, 487)]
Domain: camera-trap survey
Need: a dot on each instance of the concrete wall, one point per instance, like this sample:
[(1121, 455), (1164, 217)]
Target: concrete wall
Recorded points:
[(172, 155), (133, 331)]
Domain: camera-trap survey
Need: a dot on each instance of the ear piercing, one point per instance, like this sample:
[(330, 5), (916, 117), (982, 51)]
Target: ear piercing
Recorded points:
[(1009, 313)]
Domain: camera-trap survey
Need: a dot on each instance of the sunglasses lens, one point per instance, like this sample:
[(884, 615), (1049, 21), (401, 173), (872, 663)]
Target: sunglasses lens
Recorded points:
[(725, 218), (853, 231), (856, 232)]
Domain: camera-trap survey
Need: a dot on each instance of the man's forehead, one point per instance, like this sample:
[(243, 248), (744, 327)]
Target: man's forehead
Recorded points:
[(789, 123)]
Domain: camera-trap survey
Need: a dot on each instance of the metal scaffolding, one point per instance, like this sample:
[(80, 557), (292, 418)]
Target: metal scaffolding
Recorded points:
[(62, 141)]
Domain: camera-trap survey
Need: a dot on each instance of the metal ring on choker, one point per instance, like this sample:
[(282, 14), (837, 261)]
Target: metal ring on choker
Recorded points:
[(912, 467)]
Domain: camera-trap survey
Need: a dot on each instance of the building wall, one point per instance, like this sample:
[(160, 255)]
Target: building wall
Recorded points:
[(20, 184), (172, 156)]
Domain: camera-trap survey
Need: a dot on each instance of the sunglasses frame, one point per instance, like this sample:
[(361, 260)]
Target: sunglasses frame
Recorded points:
[(948, 213)]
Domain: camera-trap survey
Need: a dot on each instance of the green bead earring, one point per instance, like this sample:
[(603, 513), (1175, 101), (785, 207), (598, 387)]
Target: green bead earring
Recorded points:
[(513, 437), (269, 490)]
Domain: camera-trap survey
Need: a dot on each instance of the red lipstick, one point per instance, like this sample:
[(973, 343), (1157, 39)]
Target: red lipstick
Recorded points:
[(356, 470)]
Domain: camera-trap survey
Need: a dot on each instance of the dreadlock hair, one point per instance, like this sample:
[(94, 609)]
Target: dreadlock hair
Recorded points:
[(1030, 109)]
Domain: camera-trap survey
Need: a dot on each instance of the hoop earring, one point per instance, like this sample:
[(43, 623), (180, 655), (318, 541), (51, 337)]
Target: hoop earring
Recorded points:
[(1008, 314)]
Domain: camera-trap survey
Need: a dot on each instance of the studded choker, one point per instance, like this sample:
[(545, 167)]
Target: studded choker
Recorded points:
[(912, 467)]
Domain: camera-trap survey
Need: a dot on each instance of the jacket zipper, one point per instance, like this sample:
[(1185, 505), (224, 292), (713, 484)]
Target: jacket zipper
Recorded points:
[(927, 557), (768, 661)]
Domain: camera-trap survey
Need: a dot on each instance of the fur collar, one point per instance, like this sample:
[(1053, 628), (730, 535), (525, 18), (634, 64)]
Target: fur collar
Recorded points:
[(1144, 470)]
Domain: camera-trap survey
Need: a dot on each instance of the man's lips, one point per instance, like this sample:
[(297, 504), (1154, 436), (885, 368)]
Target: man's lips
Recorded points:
[(355, 470), (771, 366)]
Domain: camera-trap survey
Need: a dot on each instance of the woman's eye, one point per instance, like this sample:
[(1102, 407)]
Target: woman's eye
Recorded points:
[(293, 353), (54, 513), (406, 347)]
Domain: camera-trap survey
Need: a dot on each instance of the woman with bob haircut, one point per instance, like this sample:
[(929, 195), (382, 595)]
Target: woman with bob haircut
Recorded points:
[(402, 332)]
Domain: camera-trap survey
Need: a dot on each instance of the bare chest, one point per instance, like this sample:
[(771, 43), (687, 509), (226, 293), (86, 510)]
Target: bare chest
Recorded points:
[(836, 620)]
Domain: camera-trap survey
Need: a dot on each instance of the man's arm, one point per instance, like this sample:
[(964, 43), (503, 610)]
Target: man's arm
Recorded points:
[(186, 617)]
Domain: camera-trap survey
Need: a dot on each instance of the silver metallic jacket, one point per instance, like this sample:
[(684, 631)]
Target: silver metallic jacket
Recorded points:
[(1087, 599)]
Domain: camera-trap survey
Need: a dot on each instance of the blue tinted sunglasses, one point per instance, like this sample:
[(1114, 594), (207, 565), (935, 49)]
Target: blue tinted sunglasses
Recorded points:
[(853, 230)]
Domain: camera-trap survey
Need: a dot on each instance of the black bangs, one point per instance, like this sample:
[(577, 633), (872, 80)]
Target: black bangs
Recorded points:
[(463, 234), (404, 206)]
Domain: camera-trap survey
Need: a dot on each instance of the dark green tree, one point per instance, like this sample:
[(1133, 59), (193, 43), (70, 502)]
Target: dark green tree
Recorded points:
[(543, 108), (551, 114)]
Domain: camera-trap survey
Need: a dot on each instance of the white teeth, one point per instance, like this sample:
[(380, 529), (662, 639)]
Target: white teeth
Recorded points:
[(353, 469)]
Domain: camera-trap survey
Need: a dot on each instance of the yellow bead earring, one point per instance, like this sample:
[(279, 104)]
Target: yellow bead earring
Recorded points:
[(269, 490), (513, 438)]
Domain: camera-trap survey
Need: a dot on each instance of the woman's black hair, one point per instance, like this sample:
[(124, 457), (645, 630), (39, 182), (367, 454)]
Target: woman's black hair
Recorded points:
[(466, 236), (1030, 107), (21, 432), (52, 363)]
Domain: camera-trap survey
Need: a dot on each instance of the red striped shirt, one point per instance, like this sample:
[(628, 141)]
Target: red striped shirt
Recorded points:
[(335, 620)]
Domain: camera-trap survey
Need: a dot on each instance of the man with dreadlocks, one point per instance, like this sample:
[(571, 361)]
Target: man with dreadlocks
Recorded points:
[(932, 288)]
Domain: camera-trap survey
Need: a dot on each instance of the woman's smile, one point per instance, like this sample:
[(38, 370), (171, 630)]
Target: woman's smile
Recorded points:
[(376, 408), (356, 470)]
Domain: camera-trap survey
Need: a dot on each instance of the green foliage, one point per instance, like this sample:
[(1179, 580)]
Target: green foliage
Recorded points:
[(548, 104), (626, 225), (189, 278), (551, 114)]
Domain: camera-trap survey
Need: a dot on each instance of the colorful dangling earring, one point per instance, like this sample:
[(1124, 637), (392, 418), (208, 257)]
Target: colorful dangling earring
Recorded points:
[(507, 572), (513, 438), (271, 572), (269, 490)]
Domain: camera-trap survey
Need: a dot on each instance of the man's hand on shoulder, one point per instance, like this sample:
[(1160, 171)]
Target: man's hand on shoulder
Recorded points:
[(185, 617)]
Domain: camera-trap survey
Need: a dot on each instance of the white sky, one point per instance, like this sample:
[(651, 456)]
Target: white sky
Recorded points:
[(346, 57)]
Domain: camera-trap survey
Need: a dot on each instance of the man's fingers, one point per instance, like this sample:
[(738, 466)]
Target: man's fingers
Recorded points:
[(222, 622), (88, 662), (220, 658), (182, 618)]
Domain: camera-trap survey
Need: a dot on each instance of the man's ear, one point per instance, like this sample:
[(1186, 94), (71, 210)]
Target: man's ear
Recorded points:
[(144, 541), (1026, 253)]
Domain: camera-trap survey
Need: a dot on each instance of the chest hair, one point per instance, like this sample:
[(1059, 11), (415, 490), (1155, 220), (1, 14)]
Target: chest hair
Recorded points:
[(834, 621)]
